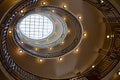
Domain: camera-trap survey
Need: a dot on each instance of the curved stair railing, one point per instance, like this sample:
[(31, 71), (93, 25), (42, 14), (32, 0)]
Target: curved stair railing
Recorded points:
[(8, 63), (111, 59), (111, 14)]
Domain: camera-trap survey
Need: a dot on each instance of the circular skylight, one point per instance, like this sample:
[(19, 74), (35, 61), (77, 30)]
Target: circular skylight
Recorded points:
[(36, 26)]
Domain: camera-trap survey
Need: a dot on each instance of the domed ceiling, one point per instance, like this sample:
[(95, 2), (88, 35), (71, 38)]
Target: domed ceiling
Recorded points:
[(58, 39)]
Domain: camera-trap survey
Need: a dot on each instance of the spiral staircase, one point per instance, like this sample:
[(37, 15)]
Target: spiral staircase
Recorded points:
[(89, 50)]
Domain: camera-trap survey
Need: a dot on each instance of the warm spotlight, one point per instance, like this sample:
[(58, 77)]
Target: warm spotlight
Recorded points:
[(64, 18), (93, 66), (60, 58), (22, 11), (79, 17), (85, 34), (50, 48), (68, 31), (101, 1), (22, 42), (62, 42), (118, 73), (76, 50), (108, 36), (43, 3), (10, 31), (64, 6), (36, 49), (20, 51), (40, 60), (53, 11)]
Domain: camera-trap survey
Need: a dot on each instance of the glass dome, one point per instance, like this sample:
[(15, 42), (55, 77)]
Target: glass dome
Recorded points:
[(56, 35), (41, 29), (36, 26)]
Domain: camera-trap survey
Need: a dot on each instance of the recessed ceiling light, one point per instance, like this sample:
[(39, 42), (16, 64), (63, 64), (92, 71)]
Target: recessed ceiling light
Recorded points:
[(64, 18), (22, 42), (108, 36), (79, 17), (53, 11), (43, 3), (85, 34), (62, 42), (50, 48), (60, 59), (20, 51), (64, 6), (22, 11), (93, 66), (68, 30), (41, 60), (119, 73), (102, 1), (10, 31), (77, 50), (36, 49)]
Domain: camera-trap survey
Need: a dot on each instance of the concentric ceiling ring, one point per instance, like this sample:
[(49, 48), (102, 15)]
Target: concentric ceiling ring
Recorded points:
[(73, 25), (8, 25), (75, 36)]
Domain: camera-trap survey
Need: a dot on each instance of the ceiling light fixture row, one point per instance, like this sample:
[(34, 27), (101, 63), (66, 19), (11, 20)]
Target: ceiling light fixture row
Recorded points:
[(42, 59), (45, 3), (110, 36), (59, 59)]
